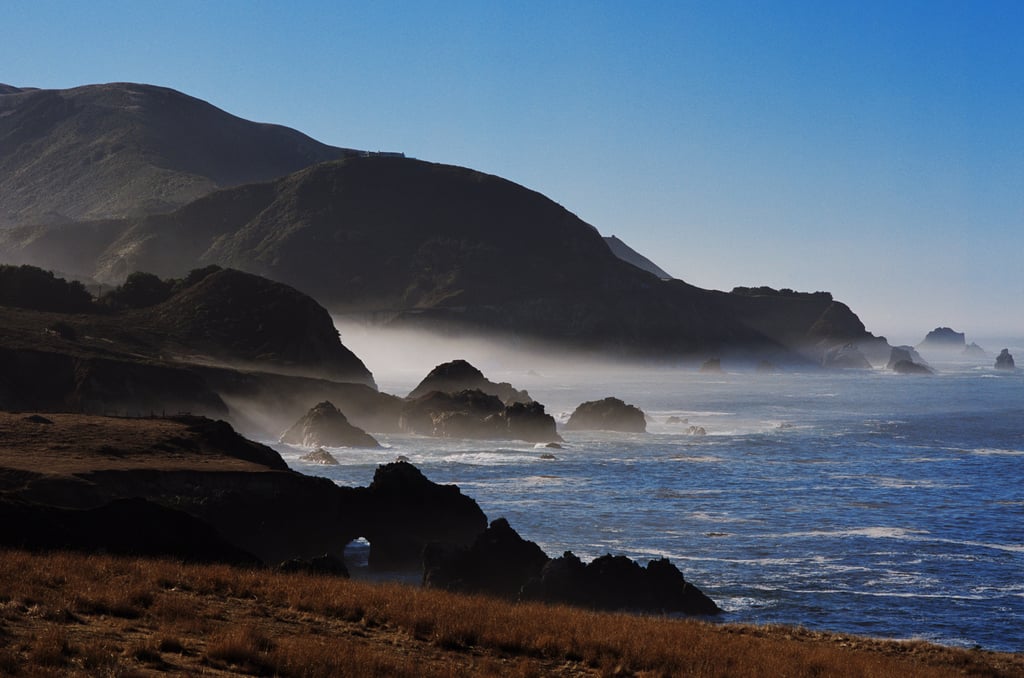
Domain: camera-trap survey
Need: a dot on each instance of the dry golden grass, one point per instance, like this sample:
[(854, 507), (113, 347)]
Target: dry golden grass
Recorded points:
[(69, 614)]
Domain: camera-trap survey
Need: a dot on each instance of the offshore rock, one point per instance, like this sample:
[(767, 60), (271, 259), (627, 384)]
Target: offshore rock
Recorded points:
[(1004, 361), (845, 357), (459, 375), (609, 414), (902, 361), (975, 351), (326, 426), (475, 414), (943, 338)]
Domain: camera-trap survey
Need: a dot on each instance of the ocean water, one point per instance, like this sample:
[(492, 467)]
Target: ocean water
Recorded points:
[(862, 501)]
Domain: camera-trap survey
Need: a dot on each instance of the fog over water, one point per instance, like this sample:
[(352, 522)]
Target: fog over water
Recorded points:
[(859, 501)]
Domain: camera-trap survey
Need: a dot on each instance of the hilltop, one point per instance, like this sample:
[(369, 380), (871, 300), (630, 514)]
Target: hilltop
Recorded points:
[(118, 149), (378, 236)]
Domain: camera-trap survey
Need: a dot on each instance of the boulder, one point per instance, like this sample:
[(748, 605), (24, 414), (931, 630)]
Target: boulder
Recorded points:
[(943, 338), (677, 420), (846, 357), (609, 414), (404, 511), (319, 456), (499, 562), (905, 360), (618, 583), (1004, 361), (459, 375), (325, 425)]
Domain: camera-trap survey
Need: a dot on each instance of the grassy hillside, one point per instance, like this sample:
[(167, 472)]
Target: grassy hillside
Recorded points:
[(98, 615), (118, 149)]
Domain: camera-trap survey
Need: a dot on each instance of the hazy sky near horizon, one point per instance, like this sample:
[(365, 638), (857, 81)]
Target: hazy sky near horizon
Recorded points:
[(871, 149)]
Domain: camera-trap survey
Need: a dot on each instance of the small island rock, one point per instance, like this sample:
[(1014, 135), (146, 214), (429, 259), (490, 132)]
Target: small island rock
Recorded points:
[(326, 426), (1004, 361), (902, 361), (943, 338), (459, 375), (609, 414)]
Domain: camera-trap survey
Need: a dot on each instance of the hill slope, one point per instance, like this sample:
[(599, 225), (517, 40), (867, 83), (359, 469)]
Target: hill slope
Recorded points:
[(121, 149), (410, 242)]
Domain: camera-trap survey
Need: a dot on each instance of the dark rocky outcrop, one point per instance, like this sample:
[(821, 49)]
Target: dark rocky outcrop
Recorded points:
[(459, 375), (1004, 361), (846, 357), (609, 414), (405, 511), (618, 583), (905, 360), (203, 478), (499, 562), (475, 414), (325, 425), (502, 563), (943, 338)]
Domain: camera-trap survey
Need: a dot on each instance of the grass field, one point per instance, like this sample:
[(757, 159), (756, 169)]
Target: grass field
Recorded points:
[(90, 615)]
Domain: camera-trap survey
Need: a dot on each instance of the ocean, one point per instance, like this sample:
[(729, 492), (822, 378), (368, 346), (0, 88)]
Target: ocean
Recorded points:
[(851, 501)]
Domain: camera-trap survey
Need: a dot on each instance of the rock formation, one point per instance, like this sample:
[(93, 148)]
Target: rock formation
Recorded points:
[(618, 583), (325, 425), (609, 414), (475, 414), (1004, 361), (905, 360), (975, 351), (943, 338), (846, 357), (459, 375), (405, 511), (501, 563), (214, 494)]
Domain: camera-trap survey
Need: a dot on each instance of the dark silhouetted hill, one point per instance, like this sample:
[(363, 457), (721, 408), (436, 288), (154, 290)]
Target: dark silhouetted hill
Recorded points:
[(122, 149)]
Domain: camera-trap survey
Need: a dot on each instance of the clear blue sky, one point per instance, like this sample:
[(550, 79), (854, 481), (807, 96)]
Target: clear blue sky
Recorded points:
[(872, 149)]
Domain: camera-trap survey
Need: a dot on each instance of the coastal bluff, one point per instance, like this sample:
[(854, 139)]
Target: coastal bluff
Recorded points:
[(198, 478)]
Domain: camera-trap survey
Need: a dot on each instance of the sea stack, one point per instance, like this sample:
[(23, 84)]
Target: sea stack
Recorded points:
[(1004, 361)]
